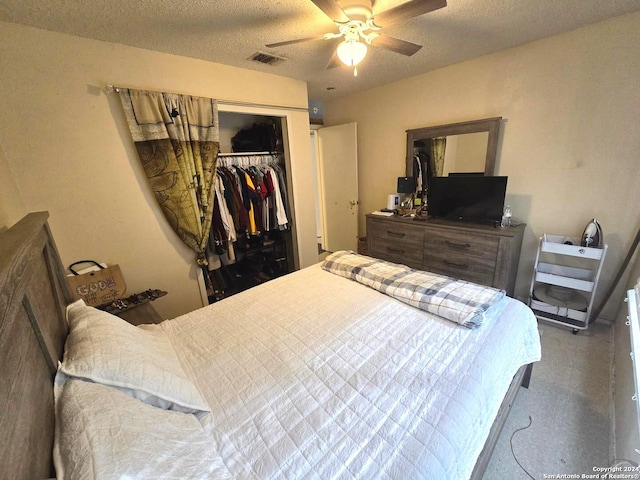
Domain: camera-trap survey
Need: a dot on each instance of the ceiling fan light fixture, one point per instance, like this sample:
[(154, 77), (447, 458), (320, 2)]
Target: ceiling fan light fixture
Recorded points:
[(351, 52)]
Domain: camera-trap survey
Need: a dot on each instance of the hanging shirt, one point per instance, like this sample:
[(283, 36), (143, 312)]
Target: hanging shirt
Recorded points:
[(236, 205), (250, 190), (225, 215), (281, 214)]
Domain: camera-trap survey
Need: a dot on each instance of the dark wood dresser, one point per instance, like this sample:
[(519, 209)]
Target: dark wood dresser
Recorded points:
[(484, 254)]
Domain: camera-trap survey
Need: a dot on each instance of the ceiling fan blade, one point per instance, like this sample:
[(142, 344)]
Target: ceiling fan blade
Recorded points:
[(406, 11), (332, 10), (334, 61), (395, 45), (291, 42)]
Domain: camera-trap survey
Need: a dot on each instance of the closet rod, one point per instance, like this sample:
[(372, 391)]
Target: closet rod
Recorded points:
[(247, 160), (112, 88), (246, 154)]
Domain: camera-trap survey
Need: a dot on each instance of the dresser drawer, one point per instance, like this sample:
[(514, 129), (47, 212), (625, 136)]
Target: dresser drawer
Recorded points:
[(461, 255), (396, 243), (464, 267), (411, 256), (396, 232), (437, 242)]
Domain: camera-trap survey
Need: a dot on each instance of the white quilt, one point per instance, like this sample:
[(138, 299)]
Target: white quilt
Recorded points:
[(314, 376), (102, 433)]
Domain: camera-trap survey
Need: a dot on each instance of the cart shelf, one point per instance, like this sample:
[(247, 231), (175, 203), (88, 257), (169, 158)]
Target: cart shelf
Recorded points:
[(577, 282)]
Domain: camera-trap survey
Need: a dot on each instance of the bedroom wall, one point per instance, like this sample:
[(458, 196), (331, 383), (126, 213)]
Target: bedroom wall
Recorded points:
[(569, 141), (12, 207), (69, 151)]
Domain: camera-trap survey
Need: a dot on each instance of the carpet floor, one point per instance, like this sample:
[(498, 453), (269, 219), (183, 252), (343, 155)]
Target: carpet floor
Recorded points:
[(568, 403)]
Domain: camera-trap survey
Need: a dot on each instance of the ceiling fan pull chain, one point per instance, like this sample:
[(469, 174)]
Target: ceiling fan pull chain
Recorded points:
[(355, 71)]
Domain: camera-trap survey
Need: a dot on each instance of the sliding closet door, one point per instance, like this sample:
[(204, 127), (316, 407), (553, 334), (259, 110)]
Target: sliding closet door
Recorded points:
[(338, 162)]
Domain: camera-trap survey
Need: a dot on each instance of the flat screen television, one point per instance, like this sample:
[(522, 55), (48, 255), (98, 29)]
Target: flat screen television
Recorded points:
[(471, 198)]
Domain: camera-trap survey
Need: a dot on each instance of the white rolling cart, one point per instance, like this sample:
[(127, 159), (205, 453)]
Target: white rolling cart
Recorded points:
[(564, 281)]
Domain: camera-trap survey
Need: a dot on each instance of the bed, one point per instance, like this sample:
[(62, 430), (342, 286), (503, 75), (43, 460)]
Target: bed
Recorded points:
[(311, 375)]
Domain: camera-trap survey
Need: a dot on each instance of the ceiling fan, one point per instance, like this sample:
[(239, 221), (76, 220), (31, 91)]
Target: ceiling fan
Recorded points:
[(360, 27)]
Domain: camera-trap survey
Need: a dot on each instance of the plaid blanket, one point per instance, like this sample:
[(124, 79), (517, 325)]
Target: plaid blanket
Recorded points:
[(457, 300)]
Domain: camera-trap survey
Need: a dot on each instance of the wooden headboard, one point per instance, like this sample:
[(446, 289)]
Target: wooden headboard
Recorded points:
[(33, 296)]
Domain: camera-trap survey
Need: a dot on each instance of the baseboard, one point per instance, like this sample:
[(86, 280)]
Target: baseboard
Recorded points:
[(603, 321)]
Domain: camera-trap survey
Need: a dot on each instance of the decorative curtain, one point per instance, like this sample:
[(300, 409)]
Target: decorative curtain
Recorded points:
[(438, 146), (177, 140)]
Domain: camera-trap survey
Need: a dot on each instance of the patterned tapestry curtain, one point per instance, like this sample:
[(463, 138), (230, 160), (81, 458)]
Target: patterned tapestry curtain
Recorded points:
[(438, 146), (177, 140)]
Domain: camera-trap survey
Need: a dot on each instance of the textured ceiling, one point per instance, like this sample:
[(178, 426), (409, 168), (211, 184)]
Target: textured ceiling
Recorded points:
[(230, 31)]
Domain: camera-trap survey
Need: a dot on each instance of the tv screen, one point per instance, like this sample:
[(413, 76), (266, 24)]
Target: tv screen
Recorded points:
[(472, 198)]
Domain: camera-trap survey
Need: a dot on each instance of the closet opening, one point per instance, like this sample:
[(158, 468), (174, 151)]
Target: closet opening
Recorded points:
[(253, 235)]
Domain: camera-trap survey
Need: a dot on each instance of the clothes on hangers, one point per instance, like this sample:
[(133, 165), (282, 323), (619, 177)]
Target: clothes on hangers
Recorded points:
[(421, 171), (250, 201), (417, 171)]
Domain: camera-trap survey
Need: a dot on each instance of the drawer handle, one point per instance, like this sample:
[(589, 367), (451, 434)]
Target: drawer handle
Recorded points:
[(457, 245), (456, 265), (395, 250), (395, 234)]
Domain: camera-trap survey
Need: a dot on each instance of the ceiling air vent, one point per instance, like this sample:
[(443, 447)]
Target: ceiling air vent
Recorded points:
[(266, 58)]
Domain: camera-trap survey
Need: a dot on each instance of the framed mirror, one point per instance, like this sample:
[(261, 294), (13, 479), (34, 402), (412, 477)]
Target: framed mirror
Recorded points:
[(456, 148)]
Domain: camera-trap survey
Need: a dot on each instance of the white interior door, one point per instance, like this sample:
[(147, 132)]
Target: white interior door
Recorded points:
[(338, 182)]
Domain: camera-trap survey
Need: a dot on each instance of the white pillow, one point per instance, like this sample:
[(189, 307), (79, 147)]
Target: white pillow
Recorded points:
[(138, 360), (101, 433)]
